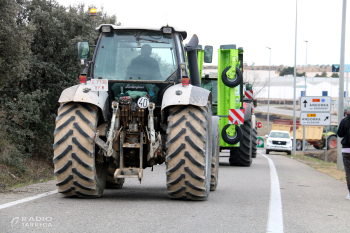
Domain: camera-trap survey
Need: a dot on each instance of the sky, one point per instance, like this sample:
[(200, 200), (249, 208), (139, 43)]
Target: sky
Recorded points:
[(251, 24)]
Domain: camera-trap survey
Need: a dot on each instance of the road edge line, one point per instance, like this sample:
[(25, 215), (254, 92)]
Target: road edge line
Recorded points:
[(275, 220), (6, 205)]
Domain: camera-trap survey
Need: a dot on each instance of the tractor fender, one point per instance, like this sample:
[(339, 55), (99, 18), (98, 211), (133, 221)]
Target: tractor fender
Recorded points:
[(81, 93), (247, 111), (186, 95)]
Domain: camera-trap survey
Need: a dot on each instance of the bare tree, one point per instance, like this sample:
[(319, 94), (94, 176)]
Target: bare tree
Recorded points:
[(254, 79)]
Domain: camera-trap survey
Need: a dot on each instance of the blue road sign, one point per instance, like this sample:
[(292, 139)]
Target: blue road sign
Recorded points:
[(335, 68)]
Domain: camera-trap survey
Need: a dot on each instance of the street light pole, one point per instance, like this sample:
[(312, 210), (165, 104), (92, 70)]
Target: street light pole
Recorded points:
[(341, 86), (305, 95), (268, 97), (295, 74)]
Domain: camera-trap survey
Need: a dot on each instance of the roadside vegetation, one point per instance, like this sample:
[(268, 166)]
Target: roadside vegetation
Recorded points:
[(38, 60)]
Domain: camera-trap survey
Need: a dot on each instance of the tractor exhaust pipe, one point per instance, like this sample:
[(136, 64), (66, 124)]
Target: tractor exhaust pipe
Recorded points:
[(191, 49)]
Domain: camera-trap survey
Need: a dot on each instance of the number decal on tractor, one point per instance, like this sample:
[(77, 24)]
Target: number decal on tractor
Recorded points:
[(143, 102)]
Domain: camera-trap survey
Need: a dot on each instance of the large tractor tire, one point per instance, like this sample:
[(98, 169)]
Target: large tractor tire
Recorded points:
[(79, 170), (111, 183), (299, 145), (254, 142), (189, 149), (215, 154), (242, 156), (332, 142)]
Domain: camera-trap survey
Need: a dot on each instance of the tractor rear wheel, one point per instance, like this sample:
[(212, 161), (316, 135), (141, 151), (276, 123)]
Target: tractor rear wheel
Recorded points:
[(215, 153), (332, 142), (79, 170), (243, 155), (189, 149)]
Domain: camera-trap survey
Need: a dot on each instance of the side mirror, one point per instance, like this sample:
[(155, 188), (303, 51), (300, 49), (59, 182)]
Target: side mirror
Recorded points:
[(83, 51), (208, 54), (248, 87), (266, 135)]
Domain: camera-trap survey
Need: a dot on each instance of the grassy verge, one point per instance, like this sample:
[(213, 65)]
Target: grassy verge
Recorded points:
[(37, 170), (328, 168)]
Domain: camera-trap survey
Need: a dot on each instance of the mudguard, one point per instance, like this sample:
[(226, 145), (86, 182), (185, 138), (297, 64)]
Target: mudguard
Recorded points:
[(186, 95), (82, 93)]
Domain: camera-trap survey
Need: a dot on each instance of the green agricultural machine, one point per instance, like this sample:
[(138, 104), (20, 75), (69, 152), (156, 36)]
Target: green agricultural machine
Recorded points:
[(228, 91), (137, 106)]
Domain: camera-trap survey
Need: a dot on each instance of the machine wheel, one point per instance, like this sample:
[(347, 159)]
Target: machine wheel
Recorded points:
[(111, 183), (231, 82), (231, 140), (243, 156), (189, 148), (332, 142), (299, 145), (254, 142), (306, 146), (289, 152), (267, 151), (215, 153), (79, 170)]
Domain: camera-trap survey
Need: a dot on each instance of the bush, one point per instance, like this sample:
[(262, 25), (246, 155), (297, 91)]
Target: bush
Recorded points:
[(37, 61)]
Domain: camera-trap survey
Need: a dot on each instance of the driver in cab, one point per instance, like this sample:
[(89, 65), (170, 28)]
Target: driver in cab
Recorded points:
[(146, 60)]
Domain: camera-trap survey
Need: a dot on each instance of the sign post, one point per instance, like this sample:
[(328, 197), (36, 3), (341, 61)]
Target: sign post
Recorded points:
[(259, 125), (315, 110)]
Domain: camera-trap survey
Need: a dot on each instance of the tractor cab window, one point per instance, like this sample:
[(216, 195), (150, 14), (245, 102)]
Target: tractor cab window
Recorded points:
[(138, 55), (211, 85)]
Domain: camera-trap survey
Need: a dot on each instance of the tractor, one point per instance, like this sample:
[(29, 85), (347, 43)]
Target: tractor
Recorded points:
[(137, 106)]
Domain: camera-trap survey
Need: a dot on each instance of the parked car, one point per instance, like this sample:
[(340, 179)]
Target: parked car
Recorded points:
[(279, 141)]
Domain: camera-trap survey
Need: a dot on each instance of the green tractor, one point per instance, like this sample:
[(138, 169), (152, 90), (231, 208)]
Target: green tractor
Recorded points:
[(227, 87), (137, 106)]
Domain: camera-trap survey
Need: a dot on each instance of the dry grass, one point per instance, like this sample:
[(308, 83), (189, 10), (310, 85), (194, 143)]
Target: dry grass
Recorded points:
[(328, 168), (38, 170)]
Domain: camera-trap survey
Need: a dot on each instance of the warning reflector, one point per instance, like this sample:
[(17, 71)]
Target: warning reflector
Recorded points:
[(249, 94), (236, 116)]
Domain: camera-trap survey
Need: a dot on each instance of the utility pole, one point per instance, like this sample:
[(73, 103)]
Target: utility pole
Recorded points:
[(268, 97), (295, 79), (341, 86), (305, 95)]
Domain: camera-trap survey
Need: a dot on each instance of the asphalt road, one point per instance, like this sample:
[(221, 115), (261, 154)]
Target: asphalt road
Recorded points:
[(276, 110), (311, 202)]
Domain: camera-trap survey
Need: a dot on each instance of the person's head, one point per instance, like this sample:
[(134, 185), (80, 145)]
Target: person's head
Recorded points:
[(146, 50)]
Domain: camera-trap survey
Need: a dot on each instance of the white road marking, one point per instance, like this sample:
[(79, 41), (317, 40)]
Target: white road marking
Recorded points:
[(3, 206), (275, 221)]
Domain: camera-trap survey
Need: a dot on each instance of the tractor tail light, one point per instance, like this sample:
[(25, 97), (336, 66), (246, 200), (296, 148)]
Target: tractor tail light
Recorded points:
[(185, 81), (82, 79)]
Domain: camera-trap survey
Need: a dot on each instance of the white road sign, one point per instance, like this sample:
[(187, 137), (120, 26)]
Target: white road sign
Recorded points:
[(315, 104), (315, 118)]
